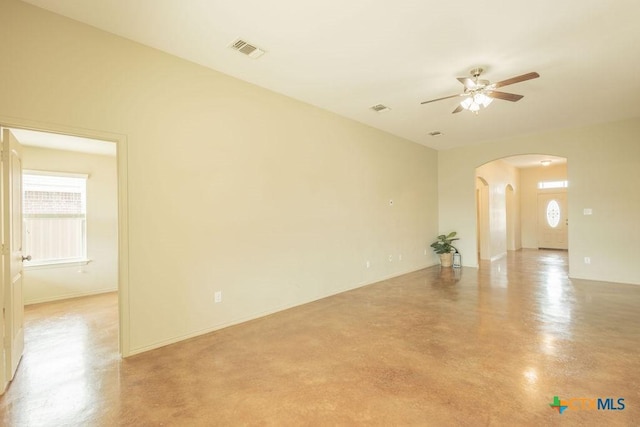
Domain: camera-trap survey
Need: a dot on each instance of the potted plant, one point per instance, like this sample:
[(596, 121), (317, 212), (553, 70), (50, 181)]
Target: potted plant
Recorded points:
[(444, 248)]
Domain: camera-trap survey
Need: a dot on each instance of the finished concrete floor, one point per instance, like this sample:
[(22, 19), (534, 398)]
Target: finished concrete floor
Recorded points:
[(436, 347)]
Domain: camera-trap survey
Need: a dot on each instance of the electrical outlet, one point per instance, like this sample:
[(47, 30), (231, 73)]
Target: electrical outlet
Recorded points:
[(218, 296), (587, 260), (425, 251), (390, 258), (368, 264), (400, 257)]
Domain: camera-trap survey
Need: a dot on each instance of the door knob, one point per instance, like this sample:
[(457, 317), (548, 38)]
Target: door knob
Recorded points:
[(26, 258)]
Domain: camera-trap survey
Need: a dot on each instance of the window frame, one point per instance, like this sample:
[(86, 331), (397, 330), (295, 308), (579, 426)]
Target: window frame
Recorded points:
[(60, 262), (553, 185)]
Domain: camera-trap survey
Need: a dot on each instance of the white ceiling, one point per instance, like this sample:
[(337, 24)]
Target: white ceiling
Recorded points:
[(533, 160), (346, 56)]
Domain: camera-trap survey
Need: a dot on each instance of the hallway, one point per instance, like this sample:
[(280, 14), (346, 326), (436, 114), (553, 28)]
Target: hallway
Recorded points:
[(434, 347)]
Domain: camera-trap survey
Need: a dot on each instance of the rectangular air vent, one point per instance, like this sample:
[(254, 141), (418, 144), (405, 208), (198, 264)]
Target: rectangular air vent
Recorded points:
[(248, 49), (380, 108)]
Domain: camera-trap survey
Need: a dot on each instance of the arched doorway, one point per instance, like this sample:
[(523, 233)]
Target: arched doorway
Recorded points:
[(508, 196)]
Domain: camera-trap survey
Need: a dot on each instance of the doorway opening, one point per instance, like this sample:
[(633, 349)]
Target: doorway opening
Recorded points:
[(70, 209), (520, 205)]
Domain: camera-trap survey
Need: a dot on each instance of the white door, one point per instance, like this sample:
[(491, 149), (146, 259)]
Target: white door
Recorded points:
[(12, 252), (552, 221)]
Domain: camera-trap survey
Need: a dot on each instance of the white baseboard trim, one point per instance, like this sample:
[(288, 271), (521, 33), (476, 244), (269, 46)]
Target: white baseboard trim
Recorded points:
[(69, 296)]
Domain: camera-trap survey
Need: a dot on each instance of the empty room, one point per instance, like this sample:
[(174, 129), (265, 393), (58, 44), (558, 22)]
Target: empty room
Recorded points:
[(286, 181)]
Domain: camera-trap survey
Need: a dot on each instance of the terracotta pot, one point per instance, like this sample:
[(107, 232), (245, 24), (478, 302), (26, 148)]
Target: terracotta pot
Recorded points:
[(446, 259)]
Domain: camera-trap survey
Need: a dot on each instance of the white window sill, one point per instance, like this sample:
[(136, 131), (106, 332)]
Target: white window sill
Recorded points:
[(54, 264)]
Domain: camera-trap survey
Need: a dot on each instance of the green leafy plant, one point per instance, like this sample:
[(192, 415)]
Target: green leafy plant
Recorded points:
[(443, 244)]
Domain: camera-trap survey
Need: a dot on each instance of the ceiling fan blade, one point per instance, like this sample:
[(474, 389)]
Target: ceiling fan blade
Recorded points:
[(457, 110), (440, 99), (517, 79), (504, 95)]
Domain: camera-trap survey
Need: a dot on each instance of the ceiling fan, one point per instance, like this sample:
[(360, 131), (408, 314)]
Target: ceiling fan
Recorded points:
[(480, 93)]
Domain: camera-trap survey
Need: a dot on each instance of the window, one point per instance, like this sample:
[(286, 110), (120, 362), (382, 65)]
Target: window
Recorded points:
[(552, 184), (55, 217), (553, 214)]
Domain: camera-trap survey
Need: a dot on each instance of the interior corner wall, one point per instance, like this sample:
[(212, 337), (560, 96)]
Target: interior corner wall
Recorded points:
[(51, 283), (529, 178), (498, 175), (603, 170), (231, 187), (516, 214)]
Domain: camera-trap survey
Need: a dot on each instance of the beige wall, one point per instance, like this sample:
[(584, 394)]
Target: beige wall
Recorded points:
[(100, 275), (603, 172), (498, 175), (230, 187), (272, 201), (529, 178)]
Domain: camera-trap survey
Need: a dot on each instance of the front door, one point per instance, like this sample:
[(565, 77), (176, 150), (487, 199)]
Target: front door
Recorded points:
[(552, 221), (12, 252)]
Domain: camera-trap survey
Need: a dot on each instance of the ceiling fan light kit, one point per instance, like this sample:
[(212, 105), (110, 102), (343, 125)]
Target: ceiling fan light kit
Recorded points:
[(474, 102), (481, 93)]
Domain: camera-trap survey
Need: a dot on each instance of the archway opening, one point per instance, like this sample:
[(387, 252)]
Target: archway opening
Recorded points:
[(511, 196)]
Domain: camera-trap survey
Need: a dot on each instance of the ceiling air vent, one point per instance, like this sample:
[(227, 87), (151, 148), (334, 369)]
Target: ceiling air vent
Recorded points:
[(248, 49), (436, 133), (379, 108)]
